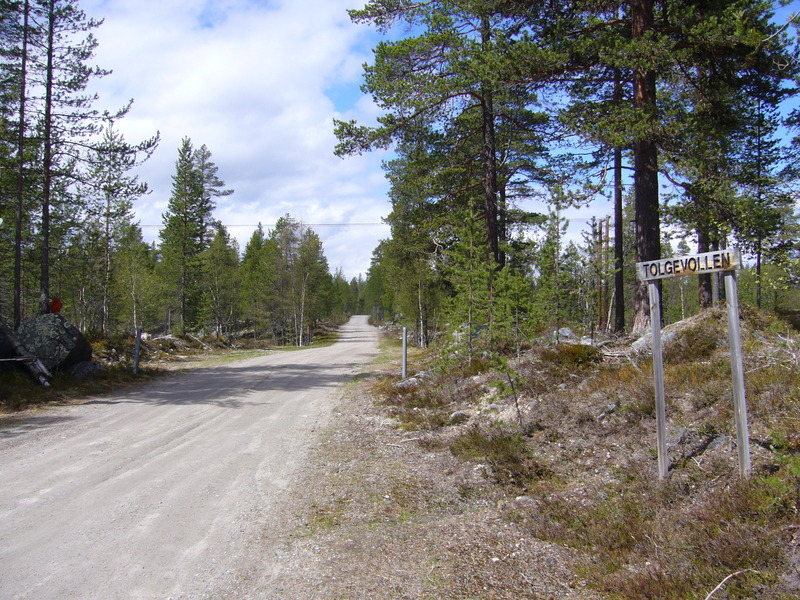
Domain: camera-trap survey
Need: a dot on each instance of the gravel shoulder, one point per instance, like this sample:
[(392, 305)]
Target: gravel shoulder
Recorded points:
[(377, 515)]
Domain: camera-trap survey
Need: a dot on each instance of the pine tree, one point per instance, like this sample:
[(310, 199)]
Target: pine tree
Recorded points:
[(211, 187), (107, 195), (286, 238), (311, 284), (421, 213), (302, 281), (46, 55), (67, 116), (16, 30), (443, 80)]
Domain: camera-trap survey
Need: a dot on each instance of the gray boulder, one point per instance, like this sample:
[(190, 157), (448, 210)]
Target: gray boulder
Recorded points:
[(86, 370), (645, 343), (55, 341), (565, 334)]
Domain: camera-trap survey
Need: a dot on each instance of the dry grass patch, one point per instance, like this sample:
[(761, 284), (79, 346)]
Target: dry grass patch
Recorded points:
[(582, 455)]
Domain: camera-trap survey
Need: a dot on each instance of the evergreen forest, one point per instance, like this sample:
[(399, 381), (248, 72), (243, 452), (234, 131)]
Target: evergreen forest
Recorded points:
[(67, 227), (681, 115)]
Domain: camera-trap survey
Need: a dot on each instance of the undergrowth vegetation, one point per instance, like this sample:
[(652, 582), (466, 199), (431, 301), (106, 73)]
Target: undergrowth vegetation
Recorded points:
[(572, 429), (18, 391), (115, 354)]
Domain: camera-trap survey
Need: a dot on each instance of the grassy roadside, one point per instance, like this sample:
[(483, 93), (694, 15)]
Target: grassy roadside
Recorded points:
[(477, 492), (159, 358)]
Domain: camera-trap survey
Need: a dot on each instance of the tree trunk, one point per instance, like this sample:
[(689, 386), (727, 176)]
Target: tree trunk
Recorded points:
[(704, 295), (106, 267), (21, 169), (619, 250), (722, 296), (423, 317), (489, 162), (758, 274), (645, 151), (47, 163)]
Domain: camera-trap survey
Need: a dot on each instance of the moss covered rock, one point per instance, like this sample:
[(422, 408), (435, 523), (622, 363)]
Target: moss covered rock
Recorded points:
[(55, 341)]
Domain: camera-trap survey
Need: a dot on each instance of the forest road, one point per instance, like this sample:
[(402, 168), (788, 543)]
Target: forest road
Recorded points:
[(171, 490)]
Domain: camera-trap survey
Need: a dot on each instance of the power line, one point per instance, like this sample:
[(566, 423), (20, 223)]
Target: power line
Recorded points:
[(268, 225), (272, 225)]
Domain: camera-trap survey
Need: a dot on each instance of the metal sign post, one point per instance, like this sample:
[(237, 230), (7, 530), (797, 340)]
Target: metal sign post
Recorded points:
[(737, 372), (658, 376), (709, 262), (405, 353)]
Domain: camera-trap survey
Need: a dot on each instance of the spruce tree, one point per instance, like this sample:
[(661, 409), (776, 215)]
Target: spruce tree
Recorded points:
[(220, 282), (470, 308), (181, 238), (258, 280)]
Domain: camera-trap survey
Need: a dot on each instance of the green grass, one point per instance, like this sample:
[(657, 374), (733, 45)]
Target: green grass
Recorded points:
[(19, 391)]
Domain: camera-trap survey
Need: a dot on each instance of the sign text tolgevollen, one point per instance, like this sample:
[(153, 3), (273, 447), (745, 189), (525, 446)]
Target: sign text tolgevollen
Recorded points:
[(709, 262)]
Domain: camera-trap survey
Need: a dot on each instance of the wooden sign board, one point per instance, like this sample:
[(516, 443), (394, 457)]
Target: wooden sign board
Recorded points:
[(699, 264), (726, 261)]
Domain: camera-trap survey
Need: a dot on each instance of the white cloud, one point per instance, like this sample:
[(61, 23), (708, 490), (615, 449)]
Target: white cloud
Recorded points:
[(259, 83)]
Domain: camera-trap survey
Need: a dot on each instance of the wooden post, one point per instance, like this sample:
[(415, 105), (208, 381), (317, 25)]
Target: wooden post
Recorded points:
[(136, 350), (658, 376), (737, 372)]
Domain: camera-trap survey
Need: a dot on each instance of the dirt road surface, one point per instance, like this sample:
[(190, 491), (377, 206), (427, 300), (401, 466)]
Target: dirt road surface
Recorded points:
[(168, 491)]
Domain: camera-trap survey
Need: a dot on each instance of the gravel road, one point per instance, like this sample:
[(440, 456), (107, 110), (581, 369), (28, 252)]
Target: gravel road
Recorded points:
[(172, 490)]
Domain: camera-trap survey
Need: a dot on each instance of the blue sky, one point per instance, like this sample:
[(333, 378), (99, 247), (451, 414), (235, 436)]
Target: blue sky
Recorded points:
[(259, 83)]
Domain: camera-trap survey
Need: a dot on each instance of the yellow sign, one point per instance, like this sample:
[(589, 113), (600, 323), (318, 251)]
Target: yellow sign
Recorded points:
[(709, 262)]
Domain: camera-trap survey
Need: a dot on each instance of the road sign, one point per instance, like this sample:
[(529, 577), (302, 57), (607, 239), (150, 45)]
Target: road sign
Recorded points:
[(709, 262), (698, 264)]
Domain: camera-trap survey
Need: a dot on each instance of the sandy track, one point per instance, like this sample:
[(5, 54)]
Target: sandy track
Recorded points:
[(170, 490)]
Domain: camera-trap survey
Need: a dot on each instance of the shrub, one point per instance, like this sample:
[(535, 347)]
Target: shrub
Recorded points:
[(573, 355), (508, 454)]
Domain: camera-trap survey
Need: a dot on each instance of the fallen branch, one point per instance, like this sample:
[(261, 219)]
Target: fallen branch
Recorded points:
[(201, 342), (724, 581), (404, 441)]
